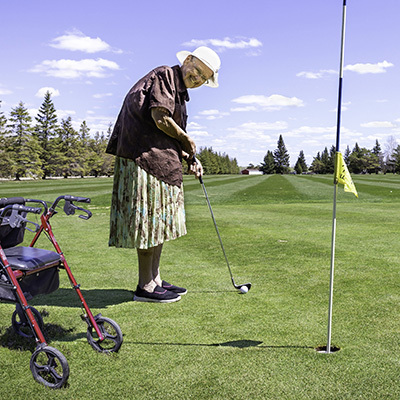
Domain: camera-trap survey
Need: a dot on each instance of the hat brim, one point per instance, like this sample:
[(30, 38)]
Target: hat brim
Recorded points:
[(212, 82)]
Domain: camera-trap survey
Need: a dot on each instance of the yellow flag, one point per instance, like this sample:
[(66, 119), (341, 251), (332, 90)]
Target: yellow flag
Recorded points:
[(342, 175)]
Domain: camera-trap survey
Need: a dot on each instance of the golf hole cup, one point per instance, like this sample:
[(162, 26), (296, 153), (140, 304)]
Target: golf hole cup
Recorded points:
[(243, 290)]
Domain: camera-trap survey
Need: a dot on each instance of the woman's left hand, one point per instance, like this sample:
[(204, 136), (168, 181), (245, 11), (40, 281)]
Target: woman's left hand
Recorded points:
[(195, 168)]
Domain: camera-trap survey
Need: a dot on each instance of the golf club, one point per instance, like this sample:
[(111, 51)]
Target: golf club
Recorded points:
[(239, 287)]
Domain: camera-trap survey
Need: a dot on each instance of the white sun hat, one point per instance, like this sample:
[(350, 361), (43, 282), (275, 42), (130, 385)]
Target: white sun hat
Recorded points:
[(208, 57)]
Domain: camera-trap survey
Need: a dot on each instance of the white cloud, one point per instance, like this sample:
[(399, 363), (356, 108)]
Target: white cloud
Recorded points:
[(72, 69), (209, 112), (271, 103), (32, 112), (64, 114), (98, 123), (316, 75), (256, 131), (343, 107), (102, 95), (360, 68), (378, 124), (198, 134), (42, 91), (244, 109), (212, 114), (226, 43), (315, 129), (5, 91), (264, 126), (378, 68), (194, 126), (77, 41), (197, 131)]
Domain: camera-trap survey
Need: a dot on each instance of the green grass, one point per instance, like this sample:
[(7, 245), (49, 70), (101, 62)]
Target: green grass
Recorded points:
[(215, 343)]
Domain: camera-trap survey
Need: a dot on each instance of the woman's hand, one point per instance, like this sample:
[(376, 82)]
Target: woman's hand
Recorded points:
[(195, 168)]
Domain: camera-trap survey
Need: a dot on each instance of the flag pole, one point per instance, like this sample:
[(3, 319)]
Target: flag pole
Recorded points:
[(339, 109)]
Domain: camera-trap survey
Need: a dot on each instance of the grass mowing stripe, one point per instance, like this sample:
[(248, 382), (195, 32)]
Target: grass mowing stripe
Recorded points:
[(225, 192), (385, 191)]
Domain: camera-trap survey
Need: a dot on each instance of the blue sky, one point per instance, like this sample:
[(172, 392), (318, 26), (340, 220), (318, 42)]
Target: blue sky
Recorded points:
[(279, 72)]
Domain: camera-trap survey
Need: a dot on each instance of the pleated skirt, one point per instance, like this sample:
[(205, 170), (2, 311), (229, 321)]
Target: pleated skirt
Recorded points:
[(145, 212)]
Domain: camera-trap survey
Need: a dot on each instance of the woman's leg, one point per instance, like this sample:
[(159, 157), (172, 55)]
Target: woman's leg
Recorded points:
[(156, 265), (150, 284), (149, 268)]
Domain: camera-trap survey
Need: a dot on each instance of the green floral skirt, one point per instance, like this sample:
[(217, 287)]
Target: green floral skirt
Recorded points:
[(145, 211)]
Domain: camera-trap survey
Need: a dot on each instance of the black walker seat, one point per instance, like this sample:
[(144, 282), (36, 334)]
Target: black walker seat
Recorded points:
[(31, 259), (37, 271)]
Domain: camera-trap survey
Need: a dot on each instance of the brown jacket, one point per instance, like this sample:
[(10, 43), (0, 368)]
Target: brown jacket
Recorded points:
[(136, 136)]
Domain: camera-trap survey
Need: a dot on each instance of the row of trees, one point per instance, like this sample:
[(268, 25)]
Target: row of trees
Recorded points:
[(217, 163), (45, 148), (48, 149), (359, 160)]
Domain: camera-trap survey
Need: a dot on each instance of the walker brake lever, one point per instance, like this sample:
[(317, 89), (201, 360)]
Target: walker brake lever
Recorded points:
[(70, 207)]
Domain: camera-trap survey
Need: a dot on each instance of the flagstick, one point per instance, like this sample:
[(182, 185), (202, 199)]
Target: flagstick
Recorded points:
[(328, 346)]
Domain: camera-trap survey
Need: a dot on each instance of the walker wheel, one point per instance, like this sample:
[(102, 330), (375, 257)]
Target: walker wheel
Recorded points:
[(49, 367), (20, 323), (111, 332)]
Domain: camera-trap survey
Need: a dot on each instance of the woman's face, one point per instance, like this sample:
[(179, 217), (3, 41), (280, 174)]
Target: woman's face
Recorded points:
[(195, 72)]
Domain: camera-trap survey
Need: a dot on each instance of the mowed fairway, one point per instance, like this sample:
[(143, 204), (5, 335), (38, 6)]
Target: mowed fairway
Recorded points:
[(216, 343)]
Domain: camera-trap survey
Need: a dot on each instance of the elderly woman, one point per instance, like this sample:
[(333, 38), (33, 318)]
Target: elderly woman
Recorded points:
[(150, 140)]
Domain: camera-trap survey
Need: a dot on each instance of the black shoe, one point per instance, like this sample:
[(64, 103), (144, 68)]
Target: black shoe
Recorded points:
[(173, 288), (160, 295)]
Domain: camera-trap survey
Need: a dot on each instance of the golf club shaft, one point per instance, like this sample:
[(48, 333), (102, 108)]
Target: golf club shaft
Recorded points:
[(216, 229)]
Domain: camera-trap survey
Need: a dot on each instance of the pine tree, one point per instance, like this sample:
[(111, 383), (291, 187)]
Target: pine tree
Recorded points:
[(96, 150), (325, 161), (356, 149), (68, 150), (330, 167), (396, 159), (317, 166), (6, 163), (347, 155), (86, 153), (268, 166), (46, 131), (107, 167), (363, 161), (281, 157), (24, 148), (377, 150), (301, 165)]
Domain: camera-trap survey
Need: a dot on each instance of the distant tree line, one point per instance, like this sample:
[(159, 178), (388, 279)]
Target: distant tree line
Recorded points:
[(215, 163), (45, 148), (360, 160), (48, 149)]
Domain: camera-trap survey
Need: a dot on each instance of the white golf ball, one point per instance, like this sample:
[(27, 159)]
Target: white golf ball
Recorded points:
[(244, 289)]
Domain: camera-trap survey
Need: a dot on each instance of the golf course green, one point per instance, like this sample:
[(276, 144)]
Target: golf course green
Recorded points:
[(216, 343)]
